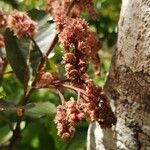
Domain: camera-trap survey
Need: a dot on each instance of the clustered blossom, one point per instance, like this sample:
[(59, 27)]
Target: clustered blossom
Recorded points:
[(1, 41), (76, 35), (96, 106), (74, 71), (45, 80), (21, 24), (2, 19), (68, 115), (80, 45), (74, 32)]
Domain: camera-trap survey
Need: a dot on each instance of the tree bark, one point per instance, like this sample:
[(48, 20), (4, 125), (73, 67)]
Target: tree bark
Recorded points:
[(128, 83)]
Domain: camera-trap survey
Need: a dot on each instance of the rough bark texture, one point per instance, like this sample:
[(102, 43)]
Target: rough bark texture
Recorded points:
[(128, 83)]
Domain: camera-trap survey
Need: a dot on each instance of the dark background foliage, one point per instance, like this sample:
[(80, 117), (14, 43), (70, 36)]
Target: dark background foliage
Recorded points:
[(40, 132)]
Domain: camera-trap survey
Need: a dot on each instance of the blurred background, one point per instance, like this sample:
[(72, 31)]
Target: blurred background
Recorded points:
[(40, 132)]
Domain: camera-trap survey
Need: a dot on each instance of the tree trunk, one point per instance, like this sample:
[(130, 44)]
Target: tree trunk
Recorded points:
[(128, 83)]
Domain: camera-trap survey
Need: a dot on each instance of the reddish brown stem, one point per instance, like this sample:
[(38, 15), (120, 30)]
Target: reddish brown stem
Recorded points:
[(75, 89)]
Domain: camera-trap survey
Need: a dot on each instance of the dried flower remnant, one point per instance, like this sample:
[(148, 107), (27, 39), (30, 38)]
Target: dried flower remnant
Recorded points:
[(68, 115), (1, 41), (96, 106), (2, 19), (21, 24)]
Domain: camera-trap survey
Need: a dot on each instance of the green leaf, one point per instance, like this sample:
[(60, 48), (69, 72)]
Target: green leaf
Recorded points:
[(5, 135), (6, 106), (46, 34), (41, 109), (17, 52), (35, 58)]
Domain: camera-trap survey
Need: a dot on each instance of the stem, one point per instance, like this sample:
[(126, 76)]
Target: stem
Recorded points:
[(75, 88), (61, 97), (16, 136), (70, 7), (55, 40), (78, 99), (36, 45), (17, 131)]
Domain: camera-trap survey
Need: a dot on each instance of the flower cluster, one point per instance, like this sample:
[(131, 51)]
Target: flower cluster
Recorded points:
[(2, 19), (96, 106), (21, 24), (80, 45), (45, 80), (75, 69), (68, 115), (1, 41), (74, 33)]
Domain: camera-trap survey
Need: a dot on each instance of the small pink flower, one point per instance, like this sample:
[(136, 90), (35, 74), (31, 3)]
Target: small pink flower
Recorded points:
[(68, 115), (73, 31), (21, 24)]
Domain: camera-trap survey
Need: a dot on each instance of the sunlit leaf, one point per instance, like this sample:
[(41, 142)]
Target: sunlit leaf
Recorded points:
[(41, 109), (17, 53)]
